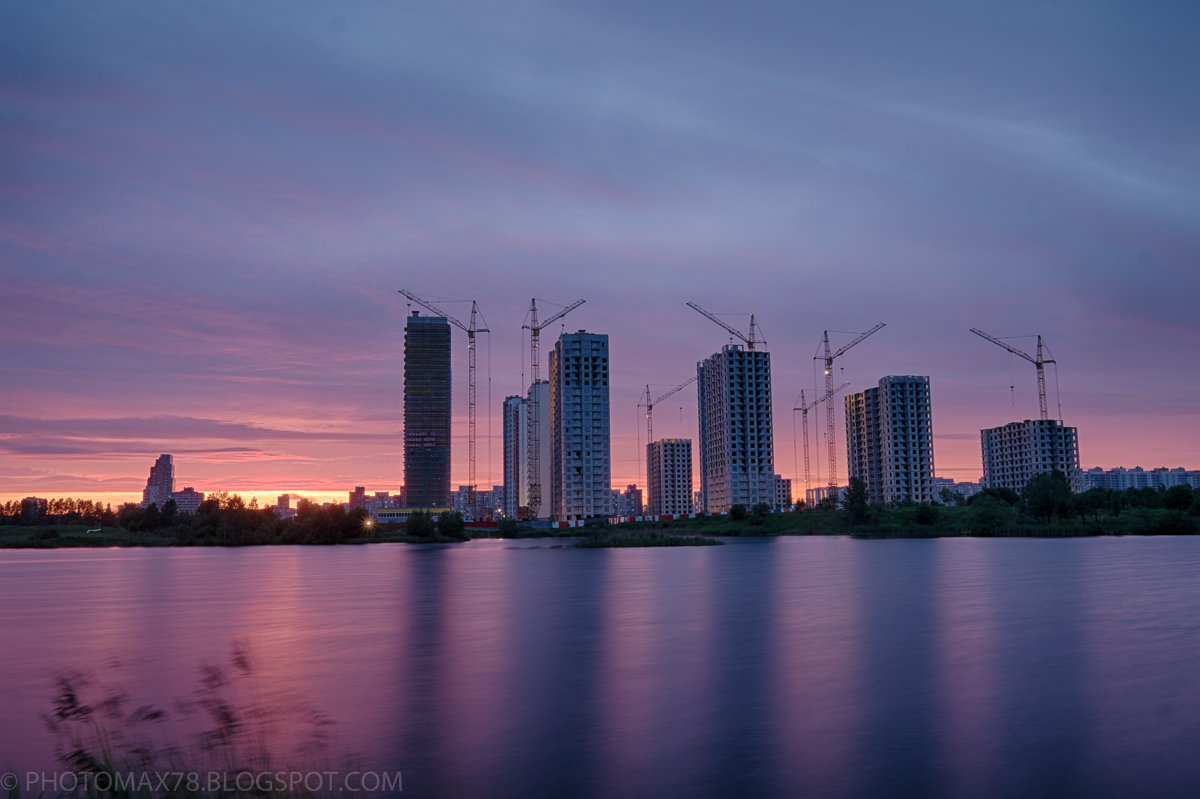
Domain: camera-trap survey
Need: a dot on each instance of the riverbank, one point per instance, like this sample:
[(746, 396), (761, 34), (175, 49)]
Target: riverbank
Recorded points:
[(965, 522), (987, 520), (68, 536)]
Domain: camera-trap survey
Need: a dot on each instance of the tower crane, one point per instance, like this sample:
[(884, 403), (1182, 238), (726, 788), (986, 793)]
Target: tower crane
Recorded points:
[(750, 340), (649, 404), (535, 411), (470, 330), (1038, 362), (830, 427), (804, 408)]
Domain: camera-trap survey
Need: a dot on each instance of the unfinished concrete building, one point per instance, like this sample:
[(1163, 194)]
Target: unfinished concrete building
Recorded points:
[(669, 476), (889, 440), (737, 452), (581, 469), (427, 412)]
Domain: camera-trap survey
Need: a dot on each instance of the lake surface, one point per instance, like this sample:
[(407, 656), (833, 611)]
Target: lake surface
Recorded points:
[(767, 667)]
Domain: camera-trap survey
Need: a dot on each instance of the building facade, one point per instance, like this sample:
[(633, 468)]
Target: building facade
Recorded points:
[(783, 493), (544, 439), (1017, 451), (628, 502), (669, 476), (813, 497), (188, 500), (737, 452), (954, 489), (514, 445), (161, 484), (580, 458), (1121, 479), (427, 411), (488, 503), (889, 440)]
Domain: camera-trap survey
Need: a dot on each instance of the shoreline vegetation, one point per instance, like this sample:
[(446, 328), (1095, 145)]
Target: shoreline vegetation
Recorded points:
[(232, 735), (1045, 509)]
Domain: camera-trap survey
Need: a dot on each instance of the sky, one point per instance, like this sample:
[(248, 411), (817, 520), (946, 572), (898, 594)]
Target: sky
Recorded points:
[(207, 211)]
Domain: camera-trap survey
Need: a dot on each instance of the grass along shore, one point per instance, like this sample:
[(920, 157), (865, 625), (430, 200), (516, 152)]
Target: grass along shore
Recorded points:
[(1046, 510)]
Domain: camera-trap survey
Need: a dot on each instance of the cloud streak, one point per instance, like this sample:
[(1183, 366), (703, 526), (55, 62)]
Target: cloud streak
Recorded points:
[(201, 235)]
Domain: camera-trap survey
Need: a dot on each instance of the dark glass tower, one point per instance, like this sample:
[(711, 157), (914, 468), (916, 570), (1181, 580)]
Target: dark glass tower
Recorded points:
[(427, 412)]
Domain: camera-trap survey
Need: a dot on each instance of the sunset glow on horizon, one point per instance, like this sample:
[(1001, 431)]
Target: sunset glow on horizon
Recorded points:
[(208, 211)]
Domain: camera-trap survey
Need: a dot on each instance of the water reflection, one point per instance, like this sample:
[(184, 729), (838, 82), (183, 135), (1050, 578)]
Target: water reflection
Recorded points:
[(816, 703), (772, 667), (968, 668)]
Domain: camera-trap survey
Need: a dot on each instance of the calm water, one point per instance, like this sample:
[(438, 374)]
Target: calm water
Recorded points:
[(776, 667)]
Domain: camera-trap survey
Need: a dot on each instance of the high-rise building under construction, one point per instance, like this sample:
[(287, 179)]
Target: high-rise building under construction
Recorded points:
[(889, 440), (581, 467), (737, 451), (427, 412), (514, 453), (669, 476), (1014, 453)]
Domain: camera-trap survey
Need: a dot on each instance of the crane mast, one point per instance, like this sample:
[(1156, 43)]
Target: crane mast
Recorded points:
[(470, 330), (1038, 362), (650, 403), (535, 412), (830, 423), (804, 408), (750, 340)]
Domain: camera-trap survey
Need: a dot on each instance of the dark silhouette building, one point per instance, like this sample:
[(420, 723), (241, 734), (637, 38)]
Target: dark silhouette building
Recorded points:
[(427, 412), (161, 484)]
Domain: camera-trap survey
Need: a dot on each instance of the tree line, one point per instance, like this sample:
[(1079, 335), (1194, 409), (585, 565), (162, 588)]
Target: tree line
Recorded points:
[(62, 510), (225, 519), (1047, 501)]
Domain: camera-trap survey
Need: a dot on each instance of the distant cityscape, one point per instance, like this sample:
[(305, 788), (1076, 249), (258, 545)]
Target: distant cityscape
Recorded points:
[(557, 444), (557, 462)]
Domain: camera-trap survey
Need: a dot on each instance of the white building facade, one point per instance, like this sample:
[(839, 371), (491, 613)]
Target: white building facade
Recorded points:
[(783, 493), (1121, 479), (737, 452), (580, 458), (544, 440), (669, 476), (514, 445)]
